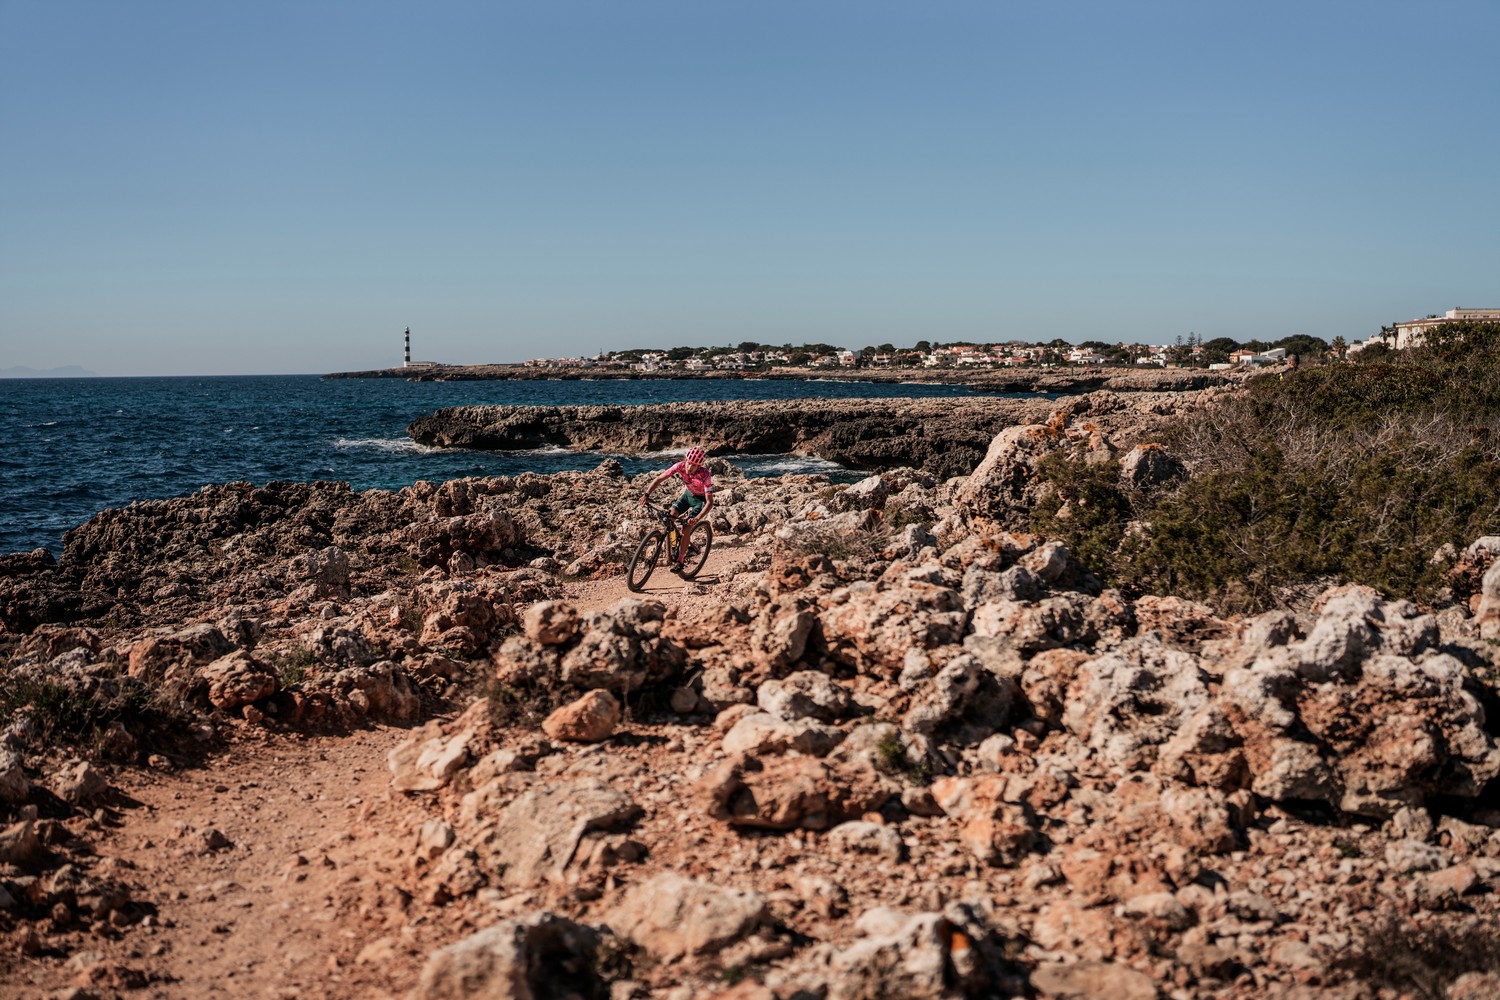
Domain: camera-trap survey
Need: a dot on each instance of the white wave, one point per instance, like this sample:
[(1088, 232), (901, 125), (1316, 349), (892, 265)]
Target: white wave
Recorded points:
[(406, 445), (778, 465), (50, 423)]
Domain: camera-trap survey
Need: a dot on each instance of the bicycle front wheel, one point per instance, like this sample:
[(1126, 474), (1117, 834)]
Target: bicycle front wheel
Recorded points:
[(700, 540), (644, 561)]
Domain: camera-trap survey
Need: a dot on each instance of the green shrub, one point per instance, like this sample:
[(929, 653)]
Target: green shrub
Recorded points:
[(81, 716), (1350, 471)]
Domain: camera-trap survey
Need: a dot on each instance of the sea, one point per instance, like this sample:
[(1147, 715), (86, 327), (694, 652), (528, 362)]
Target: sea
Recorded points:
[(70, 448)]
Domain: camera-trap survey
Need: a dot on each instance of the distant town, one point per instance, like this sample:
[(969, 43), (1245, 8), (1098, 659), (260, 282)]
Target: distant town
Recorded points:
[(1190, 351)]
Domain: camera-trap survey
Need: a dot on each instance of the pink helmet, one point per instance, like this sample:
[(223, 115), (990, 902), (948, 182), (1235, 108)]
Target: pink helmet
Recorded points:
[(697, 456)]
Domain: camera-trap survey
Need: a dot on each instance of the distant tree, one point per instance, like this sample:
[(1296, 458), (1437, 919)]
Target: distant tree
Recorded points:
[(746, 346), (1221, 345), (1303, 345), (886, 349), (1256, 345), (681, 353), (799, 358), (1378, 351), (1338, 347), (923, 346)]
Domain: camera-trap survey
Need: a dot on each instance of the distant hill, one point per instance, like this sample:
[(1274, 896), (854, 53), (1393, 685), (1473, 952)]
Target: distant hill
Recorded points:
[(67, 371)]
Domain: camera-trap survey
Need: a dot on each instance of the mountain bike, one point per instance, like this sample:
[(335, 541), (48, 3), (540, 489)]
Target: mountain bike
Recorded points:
[(665, 537)]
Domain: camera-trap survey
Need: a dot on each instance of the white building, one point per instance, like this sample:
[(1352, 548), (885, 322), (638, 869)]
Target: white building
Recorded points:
[(1414, 331)]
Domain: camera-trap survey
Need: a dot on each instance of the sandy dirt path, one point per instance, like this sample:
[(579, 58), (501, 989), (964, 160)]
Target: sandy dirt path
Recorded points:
[(275, 870), (281, 867)]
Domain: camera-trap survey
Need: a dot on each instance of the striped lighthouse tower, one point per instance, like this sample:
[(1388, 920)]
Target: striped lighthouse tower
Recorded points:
[(407, 363)]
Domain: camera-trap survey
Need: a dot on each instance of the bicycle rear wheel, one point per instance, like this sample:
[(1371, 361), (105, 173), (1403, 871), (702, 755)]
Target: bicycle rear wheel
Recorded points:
[(700, 540), (644, 561)]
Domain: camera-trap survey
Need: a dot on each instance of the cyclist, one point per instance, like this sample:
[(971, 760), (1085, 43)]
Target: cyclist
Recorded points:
[(696, 499)]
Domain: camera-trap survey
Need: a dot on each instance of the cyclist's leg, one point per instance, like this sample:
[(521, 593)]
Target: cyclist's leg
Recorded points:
[(692, 506)]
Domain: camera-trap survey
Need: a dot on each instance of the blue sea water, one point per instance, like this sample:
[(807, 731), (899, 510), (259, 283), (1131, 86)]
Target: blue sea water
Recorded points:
[(70, 448)]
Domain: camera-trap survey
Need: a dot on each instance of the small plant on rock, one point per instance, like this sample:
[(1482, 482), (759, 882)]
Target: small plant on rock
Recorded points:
[(891, 757)]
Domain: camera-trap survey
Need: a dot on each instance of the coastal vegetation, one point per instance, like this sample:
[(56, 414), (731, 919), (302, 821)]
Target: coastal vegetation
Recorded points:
[(1359, 471)]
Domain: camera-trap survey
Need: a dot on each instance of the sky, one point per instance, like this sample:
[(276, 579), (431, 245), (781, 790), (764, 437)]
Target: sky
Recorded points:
[(284, 187)]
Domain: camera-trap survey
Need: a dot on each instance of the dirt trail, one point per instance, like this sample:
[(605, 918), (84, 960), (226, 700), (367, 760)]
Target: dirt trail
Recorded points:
[(690, 599), (273, 870), (277, 869)]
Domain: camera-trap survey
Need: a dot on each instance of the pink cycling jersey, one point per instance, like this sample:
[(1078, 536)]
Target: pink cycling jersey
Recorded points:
[(699, 484)]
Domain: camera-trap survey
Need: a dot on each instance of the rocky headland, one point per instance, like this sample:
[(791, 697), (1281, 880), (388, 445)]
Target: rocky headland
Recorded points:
[(944, 437), (297, 740)]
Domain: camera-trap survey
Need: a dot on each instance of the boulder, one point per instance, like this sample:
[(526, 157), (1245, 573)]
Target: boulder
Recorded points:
[(761, 734), (429, 760), (537, 834), (1127, 702), (380, 691), (963, 699), (787, 793), (324, 571), (673, 917), (1003, 488), (551, 623), (1149, 467), (532, 958), (589, 719), (871, 626), (869, 493), (15, 787), (806, 694), (1364, 714), (922, 956), (237, 679), (79, 783)]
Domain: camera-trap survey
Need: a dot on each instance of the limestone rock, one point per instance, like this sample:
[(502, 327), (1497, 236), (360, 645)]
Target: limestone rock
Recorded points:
[(14, 785), (537, 834), (1003, 487), (1127, 702), (992, 824), (860, 837), (806, 694), (551, 623), (429, 760), (532, 958), (79, 783), (673, 917), (922, 956), (1093, 981), (589, 719), (761, 734), (237, 679), (787, 793)]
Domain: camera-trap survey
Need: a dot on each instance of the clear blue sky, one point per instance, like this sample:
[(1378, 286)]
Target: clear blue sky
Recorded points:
[(199, 187)]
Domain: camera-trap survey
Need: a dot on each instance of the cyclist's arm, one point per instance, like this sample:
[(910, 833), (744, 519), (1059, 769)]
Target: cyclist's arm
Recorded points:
[(654, 484)]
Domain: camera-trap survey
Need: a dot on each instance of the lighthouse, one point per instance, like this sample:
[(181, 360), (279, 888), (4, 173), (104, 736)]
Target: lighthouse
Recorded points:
[(407, 362)]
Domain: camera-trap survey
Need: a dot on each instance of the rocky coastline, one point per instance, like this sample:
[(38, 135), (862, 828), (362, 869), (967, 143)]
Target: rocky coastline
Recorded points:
[(945, 437), (889, 747)]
